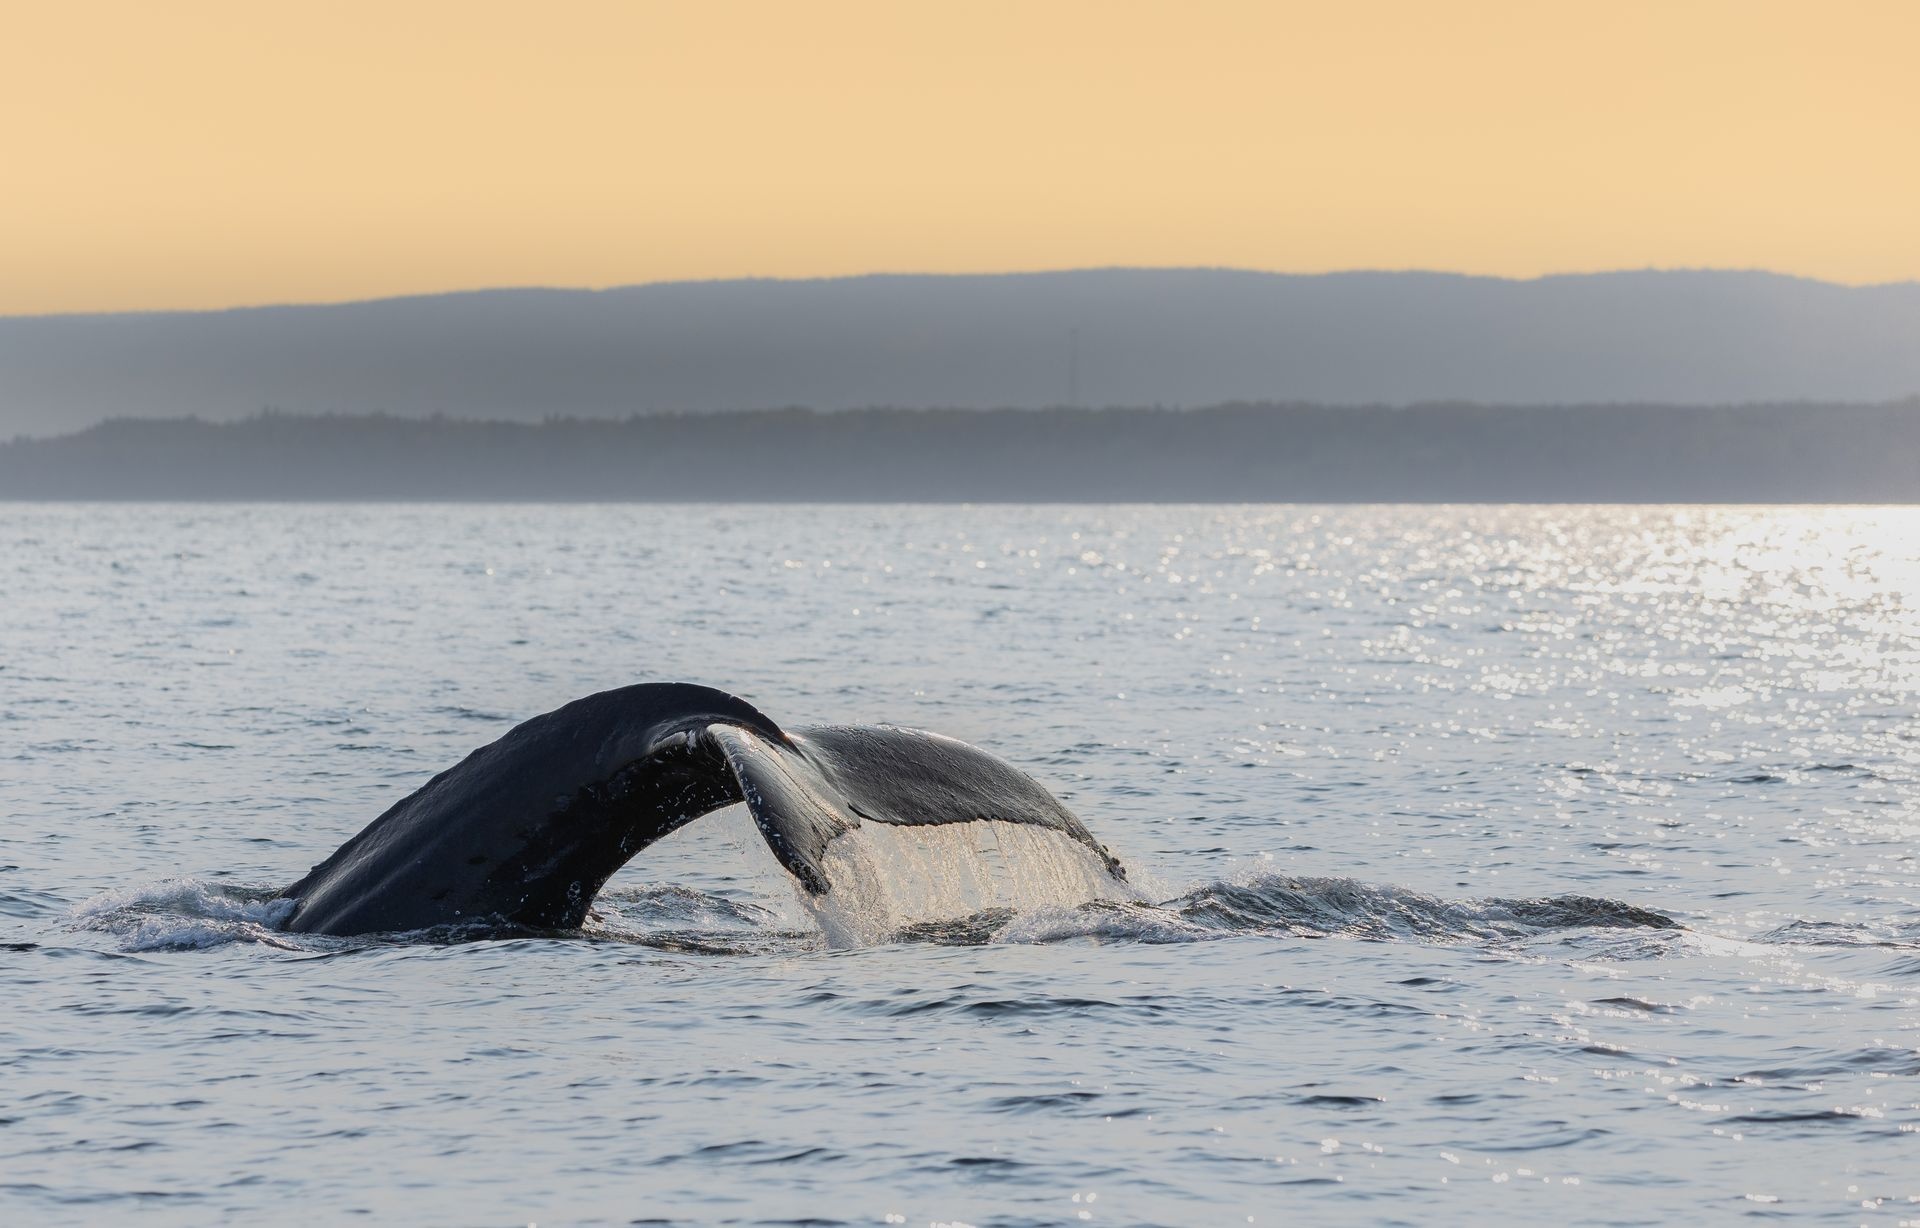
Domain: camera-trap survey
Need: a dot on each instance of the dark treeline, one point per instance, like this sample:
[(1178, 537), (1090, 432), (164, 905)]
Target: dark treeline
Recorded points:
[(1229, 453), (1183, 337)]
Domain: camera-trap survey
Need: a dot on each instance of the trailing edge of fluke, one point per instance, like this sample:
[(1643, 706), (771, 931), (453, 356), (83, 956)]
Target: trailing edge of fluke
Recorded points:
[(525, 831)]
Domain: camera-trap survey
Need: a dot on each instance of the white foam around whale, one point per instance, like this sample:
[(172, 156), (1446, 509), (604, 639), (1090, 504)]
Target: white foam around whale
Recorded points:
[(186, 914)]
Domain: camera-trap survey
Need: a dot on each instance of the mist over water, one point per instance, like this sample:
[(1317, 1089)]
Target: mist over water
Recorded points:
[(1551, 863)]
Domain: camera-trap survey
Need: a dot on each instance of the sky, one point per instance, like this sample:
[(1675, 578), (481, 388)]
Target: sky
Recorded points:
[(204, 154)]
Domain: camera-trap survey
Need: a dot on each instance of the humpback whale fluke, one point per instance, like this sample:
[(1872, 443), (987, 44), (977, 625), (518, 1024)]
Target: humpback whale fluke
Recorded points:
[(527, 830)]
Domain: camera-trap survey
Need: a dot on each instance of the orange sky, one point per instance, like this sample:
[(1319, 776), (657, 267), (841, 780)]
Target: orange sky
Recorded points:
[(197, 153)]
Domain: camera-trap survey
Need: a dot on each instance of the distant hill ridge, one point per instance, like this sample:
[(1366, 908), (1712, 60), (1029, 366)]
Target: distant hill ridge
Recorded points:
[(1177, 337), (1229, 453)]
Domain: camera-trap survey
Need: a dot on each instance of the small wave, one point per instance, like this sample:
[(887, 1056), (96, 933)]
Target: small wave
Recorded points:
[(27, 903), (1101, 922), (1277, 905), (675, 905), (681, 920), (1349, 908), (463, 713), (1804, 932)]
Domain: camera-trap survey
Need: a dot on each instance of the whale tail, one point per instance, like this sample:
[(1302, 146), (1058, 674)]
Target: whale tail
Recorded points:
[(528, 829), (816, 785)]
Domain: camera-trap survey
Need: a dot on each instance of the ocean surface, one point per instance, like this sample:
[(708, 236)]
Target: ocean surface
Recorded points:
[(1512, 864)]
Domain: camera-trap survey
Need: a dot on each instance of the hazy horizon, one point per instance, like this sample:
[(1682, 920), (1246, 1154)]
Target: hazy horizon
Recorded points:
[(749, 279), (1177, 337), (1247, 453)]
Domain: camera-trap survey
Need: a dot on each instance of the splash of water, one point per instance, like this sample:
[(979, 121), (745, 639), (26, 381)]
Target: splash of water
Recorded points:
[(187, 914)]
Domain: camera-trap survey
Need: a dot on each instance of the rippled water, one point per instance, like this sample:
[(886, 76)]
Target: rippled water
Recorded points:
[(1414, 790)]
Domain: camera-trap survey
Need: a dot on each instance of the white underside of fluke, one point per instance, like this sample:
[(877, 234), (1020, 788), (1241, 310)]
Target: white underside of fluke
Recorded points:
[(887, 877)]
